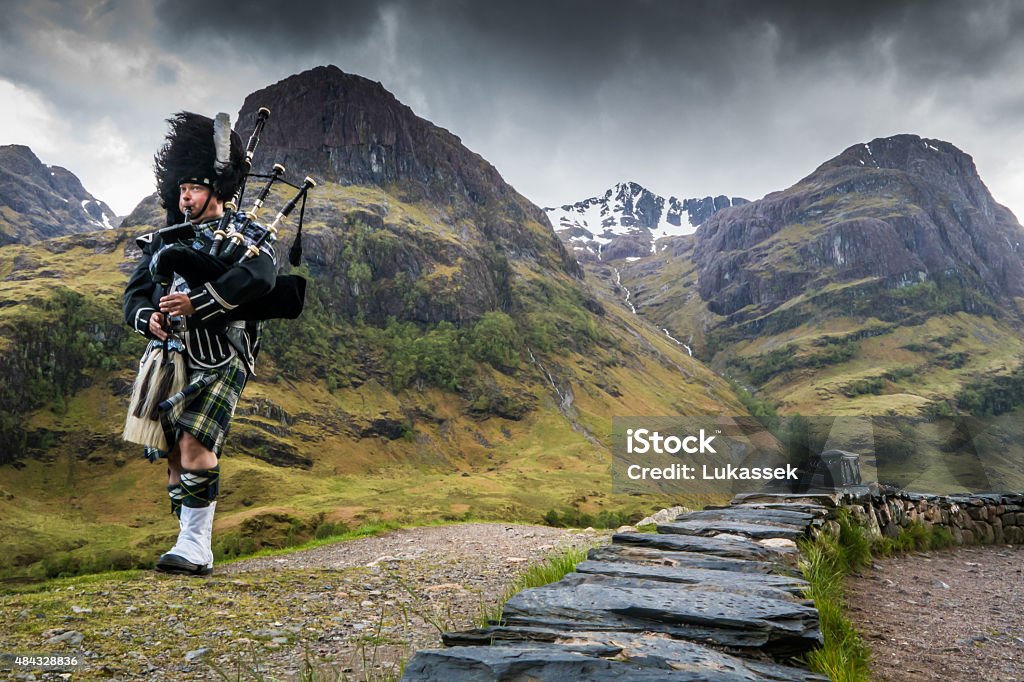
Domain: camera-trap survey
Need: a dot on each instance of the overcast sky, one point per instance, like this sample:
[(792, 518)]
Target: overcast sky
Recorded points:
[(689, 98)]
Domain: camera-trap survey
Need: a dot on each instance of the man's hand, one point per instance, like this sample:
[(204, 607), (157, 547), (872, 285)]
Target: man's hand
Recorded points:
[(156, 326), (175, 305)]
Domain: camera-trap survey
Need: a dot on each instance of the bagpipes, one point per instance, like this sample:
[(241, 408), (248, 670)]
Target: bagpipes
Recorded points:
[(202, 258), (237, 238)]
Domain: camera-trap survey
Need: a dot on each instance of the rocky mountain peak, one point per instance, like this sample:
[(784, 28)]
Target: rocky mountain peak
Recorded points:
[(936, 162), (44, 201), (626, 219), (897, 211), (345, 129)]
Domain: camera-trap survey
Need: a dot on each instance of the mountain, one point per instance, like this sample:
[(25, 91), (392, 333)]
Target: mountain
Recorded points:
[(39, 201), (888, 281), (899, 210), (364, 136), (627, 219), (452, 360)]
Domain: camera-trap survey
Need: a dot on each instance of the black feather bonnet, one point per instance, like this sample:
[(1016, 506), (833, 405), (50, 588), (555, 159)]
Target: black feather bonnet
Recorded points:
[(200, 150)]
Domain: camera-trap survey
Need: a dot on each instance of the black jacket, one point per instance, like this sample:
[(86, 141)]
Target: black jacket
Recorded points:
[(208, 337)]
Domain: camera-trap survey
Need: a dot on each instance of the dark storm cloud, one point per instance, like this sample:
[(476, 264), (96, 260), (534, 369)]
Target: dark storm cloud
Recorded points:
[(581, 39), (465, 58), (103, 20), (712, 39), (564, 96), (52, 47), (294, 26)]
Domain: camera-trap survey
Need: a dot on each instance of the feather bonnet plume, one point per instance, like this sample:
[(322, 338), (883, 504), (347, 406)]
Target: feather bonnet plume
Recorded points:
[(201, 150)]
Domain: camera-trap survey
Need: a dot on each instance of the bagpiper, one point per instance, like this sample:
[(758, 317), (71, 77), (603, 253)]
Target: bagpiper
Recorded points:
[(200, 354)]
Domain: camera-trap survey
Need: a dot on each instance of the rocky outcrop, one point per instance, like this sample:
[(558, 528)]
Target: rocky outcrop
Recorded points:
[(39, 201), (403, 266), (900, 210), (699, 210), (146, 212)]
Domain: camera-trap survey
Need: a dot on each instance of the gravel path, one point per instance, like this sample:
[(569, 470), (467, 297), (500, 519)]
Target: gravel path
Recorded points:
[(955, 615), (356, 609)]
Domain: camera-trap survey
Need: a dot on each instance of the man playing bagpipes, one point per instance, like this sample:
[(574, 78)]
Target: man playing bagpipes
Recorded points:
[(195, 294)]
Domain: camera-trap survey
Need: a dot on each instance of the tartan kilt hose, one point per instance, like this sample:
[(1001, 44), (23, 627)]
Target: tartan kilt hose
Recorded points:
[(206, 414)]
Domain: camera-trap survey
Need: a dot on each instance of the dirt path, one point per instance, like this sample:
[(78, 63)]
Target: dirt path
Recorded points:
[(953, 616), (363, 606)]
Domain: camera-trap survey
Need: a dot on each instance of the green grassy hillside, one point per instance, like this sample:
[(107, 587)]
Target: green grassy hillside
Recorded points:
[(402, 394)]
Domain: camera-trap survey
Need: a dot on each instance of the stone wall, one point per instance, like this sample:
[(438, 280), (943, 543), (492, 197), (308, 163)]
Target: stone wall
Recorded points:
[(970, 519)]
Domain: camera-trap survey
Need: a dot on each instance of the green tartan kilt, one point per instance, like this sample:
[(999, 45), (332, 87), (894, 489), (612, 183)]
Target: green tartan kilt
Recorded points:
[(206, 414)]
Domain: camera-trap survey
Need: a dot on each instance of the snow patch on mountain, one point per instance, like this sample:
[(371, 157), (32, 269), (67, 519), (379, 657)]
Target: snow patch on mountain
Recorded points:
[(631, 218)]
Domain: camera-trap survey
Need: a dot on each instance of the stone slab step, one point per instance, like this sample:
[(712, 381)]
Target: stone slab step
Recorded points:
[(751, 514), (818, 499), (766, 585), (596, 602), (816, 510), (755, 531), (735, 548), (650, 651), (649, 556), (526, 664)]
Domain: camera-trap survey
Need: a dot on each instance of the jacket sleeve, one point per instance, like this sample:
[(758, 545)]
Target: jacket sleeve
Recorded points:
[(246, 281), (140, 292)]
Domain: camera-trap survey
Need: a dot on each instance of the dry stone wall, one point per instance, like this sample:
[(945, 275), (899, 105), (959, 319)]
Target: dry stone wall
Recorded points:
[(970, 519)]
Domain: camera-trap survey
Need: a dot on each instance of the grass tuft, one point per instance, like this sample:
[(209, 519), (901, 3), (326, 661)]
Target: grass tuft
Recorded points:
[(552, 569), (826, 561), (916, 537)]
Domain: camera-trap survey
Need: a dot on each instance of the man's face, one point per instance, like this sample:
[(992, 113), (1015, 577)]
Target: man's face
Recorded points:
[(199, 200)]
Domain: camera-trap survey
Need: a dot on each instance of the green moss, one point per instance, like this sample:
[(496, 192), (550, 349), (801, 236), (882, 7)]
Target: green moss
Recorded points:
[(53, 349), (993, 395), (763, 368), (574, 518), (915, 537)]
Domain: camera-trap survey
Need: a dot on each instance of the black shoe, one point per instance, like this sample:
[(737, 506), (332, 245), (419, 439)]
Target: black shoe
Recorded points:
[(172, 563)]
